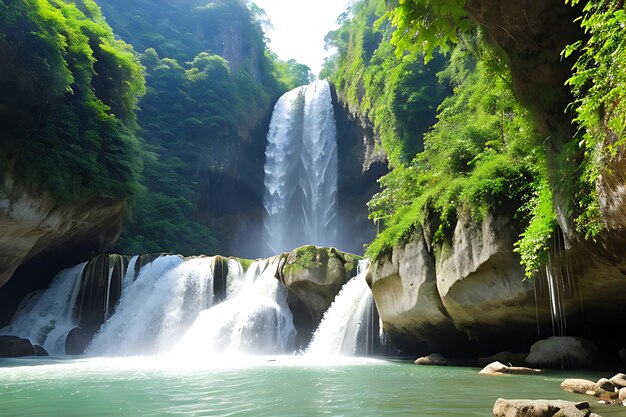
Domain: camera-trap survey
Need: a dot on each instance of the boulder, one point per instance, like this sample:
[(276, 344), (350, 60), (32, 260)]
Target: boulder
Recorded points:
[(77, 341), (13, 346), (619, 380), (563, 353), (605, 385), (498, 368), (315, 275), (439, 360), (405, 289), (622, 396), (482, 286), (540, 408), (40, 351), (579, 386)]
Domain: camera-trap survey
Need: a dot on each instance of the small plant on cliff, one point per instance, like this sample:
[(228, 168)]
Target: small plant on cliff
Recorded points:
[(599, 85)]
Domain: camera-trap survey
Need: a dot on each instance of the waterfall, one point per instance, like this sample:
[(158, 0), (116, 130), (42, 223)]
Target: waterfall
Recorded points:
[(157, 307), (301, 170), (346, 327), (46, 317), (256, 320)]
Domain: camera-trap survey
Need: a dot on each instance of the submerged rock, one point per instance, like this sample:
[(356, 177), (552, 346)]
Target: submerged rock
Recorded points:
[(436, 359), (40, 351), (540, 408), (579, 386), (13, 346), (497, 368), (563, 353)]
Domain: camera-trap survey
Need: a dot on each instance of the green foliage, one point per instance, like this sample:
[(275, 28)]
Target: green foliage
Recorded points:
[(533, 243), (398, 95), (68, 105), (424, 26), (599, 85), (481, 154)]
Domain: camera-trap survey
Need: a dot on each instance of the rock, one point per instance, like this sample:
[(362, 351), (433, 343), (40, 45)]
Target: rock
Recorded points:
[(36, 225), (619, 380), (510, 358), (563, 353), (498, 368), (622, 396), (404, 286), (605, 385), (440, 360), (315, 275), (540, 408), (13, 346), (76, 341), (40, 351), (579, 386), (482, 286)]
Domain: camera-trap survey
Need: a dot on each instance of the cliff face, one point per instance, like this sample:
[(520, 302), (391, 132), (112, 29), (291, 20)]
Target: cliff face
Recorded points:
[(39, 238), (467, 296)]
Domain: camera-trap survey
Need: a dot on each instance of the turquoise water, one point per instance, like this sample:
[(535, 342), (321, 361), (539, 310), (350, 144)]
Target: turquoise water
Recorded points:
[(261, 386)]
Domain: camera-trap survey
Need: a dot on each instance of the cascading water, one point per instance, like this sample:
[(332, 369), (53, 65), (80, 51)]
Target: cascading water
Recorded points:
[(301, 170), (157, 307), (46, 317), (346, 326), (175, 305), (256, 320)]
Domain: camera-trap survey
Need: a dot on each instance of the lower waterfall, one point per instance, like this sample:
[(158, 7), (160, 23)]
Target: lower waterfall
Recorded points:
[(347, 326), (175, 305)]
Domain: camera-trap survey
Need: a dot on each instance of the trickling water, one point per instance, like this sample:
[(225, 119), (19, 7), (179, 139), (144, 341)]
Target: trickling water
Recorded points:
[(46, 317), (301, 170), (346, 320), (256, 320)]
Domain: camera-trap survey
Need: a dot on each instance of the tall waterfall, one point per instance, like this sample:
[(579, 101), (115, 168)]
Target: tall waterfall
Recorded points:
[(301, 170)]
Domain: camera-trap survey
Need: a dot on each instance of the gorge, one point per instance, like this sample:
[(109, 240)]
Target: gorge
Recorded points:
[(190, 224)]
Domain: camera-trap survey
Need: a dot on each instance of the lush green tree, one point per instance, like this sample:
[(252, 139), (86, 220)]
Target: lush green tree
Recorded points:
[(67, 108)]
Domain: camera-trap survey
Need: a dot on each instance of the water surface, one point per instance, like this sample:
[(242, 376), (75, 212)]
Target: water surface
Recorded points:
[(260, 386)]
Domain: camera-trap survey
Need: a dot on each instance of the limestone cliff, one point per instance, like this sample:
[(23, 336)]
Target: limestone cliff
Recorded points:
[(34, 225)]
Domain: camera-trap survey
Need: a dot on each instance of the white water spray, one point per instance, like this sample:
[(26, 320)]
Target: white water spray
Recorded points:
[(256, 320), (157, 307), (301, 170), (46, 317), (339, 330)]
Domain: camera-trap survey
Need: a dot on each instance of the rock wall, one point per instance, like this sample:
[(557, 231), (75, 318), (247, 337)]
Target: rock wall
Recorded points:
[(34, 225), (467, 296), (462, 297)]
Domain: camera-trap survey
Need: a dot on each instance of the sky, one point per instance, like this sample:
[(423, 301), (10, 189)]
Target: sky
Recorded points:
[(300, 27)]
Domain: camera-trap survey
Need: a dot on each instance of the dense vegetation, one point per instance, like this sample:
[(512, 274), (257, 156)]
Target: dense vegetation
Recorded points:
[(67, 108), (483, 152), (210, 82)]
